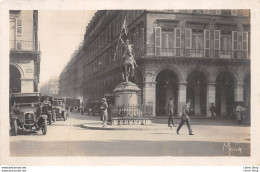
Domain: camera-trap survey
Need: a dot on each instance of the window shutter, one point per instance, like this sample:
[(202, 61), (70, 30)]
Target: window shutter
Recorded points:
[(206, 42), (157, 42), (188, 42), (19, 27), (177, 41), (245, 44), (234, 44), (188, 38), (217, 42)]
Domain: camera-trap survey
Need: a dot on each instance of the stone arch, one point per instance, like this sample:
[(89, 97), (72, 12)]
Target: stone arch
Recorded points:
[(176, 72), (203, 70), (19, 68), (233, 73)]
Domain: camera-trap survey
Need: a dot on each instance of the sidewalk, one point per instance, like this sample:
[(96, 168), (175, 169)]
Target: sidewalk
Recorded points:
[(161, 123)]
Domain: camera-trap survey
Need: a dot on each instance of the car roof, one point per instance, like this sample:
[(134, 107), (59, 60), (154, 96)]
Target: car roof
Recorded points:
[(35, 94)]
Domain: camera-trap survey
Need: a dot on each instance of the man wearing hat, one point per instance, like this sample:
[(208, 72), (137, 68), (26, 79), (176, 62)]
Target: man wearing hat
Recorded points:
[(170, 111), (103, 108), (185, 118)]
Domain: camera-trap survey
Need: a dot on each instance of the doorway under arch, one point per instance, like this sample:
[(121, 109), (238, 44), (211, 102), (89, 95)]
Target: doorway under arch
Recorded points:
[(225, 93), (14, 80), (166, 87), (197, 92)]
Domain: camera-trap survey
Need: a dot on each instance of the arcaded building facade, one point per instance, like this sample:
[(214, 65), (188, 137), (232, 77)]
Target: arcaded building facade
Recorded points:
[(201, 55), (24, 51)]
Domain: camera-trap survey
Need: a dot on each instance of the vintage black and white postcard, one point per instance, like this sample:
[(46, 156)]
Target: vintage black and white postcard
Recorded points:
[(129, 83)]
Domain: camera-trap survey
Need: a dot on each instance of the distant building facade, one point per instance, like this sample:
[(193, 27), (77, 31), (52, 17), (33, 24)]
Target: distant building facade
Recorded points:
[(24, 51), (200, 55), (51, 87), (72, 76)]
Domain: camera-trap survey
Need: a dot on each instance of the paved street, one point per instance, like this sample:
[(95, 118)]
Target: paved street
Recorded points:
[(68, 138)]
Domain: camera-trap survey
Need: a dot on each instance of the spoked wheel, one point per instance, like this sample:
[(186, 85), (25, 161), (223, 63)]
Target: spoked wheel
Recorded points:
[(44, 127), (64, 116), (14, 127), (54, 117), (50, 119)]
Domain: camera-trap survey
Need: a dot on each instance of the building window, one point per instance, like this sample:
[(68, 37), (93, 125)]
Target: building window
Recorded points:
[(19, 27), (234, 12), (197, 43), (206, 11), (226, 43), (218, 12), (167, 43)]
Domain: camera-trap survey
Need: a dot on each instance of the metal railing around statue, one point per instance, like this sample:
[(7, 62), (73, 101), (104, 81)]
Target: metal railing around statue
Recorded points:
[(127, 115)]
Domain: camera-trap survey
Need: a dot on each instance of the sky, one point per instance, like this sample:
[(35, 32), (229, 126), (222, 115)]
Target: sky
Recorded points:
[(60, 33)]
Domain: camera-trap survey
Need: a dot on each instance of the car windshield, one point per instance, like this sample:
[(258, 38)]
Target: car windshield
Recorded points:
[(26, 101), (57, 103)]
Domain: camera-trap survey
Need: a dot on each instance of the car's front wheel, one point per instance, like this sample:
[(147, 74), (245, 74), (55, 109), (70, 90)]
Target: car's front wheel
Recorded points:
[(14, 128), (54, 117), (44, 127), (64, 116)]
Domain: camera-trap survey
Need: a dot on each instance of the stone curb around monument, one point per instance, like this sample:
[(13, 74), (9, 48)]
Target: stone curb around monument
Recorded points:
[(127, 127)]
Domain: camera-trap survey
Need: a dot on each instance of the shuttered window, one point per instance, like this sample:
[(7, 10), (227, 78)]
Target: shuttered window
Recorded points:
[(157, 42), (177, 41), (245, 44), (234, 44), (217, 43), (19, 27), (206, 42)]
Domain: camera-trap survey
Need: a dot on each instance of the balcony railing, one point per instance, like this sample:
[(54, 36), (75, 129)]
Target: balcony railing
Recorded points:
[(192, 53), (24, 46)]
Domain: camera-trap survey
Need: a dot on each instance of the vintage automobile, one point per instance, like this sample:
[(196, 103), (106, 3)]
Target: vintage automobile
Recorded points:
[(25, 113), (59, 108), (47, 102)]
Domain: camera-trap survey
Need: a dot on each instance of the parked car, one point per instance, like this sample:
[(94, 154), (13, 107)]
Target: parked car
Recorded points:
[(47, 108), (25, 113), (59, 108)]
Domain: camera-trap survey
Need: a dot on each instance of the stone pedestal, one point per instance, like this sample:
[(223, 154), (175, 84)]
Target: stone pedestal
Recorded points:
[(126, 94)]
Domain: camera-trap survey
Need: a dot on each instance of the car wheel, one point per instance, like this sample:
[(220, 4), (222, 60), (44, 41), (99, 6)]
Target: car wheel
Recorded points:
[(50, 119), (44, 127), (14, 128), (54, 117), (64, 116)]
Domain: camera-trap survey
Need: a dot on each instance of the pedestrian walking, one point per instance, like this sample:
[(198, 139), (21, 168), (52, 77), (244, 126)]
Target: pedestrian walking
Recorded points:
[(104, 114), (185, 118), (170, 111), (212, 110), (239, 111)]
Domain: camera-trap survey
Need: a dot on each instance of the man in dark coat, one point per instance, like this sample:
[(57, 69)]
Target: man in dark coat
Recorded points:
[(185, 118), (212, 110)]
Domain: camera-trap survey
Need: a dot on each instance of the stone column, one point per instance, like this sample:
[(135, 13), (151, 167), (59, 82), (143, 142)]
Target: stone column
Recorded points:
[(211, 96), (27, 85), (149, 95), (181, 97), (239, 91)]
